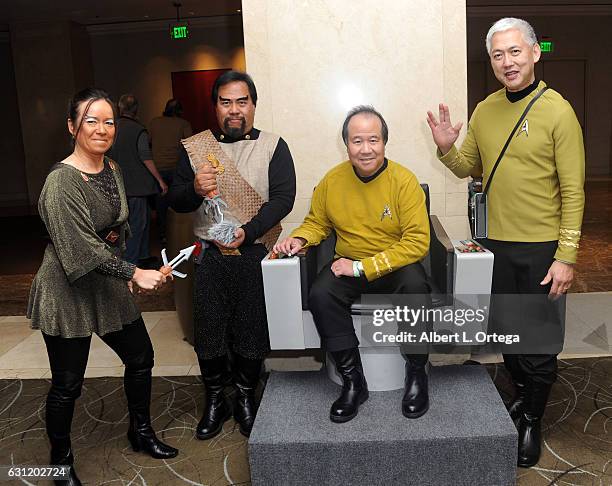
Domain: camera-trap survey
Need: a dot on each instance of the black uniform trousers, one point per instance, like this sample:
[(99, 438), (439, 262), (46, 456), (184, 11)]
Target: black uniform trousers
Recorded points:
[(331, 298), (518, 269), (229, 306)]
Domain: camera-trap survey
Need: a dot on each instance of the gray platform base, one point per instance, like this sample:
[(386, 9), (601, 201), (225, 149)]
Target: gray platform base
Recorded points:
[(466, 438)]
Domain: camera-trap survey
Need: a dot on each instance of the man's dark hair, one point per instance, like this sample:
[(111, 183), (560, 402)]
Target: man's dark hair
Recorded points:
[(128, 105), (230, 77), (173, 108), (86, 96), (367, 109)]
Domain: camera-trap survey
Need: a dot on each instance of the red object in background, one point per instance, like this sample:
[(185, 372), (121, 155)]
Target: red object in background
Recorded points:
[(193, 90)]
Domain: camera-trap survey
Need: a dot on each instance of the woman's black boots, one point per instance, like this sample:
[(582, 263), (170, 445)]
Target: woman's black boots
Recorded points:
[(215, 375), (137, 385), (65, 389), (354, 386), (61, 455)]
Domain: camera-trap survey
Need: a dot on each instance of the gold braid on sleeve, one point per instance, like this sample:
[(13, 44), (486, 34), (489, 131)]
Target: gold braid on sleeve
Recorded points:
[(568, 237)]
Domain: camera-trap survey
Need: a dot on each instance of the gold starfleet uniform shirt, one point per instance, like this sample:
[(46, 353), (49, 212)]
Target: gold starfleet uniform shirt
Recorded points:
[(537, 193), (382, 222)]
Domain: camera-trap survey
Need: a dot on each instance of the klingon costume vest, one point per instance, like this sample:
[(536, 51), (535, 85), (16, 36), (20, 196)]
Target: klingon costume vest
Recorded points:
[(242, 180)]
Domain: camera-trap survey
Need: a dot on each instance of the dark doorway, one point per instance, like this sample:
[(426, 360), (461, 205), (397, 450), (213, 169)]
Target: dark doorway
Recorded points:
[(193, 90)]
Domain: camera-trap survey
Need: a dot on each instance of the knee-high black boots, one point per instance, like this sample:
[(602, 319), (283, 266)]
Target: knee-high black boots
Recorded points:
[(354, 386), (416, 391), (530, 423), (65, 389), (215, 375), (137, 385), (246, 377)]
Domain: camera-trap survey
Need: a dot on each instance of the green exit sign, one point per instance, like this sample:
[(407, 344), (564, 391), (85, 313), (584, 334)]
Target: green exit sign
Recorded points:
[(179, 31), (546, 46)]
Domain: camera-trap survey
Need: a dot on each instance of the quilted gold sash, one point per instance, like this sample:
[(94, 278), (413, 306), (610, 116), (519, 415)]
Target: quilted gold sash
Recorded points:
[(241, 198)]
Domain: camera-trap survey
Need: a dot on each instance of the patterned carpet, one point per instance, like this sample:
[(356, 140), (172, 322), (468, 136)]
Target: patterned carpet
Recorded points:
[(577, 445)]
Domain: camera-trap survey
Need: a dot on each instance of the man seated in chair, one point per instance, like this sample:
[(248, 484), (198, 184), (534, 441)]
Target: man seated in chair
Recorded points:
[(377, 209)]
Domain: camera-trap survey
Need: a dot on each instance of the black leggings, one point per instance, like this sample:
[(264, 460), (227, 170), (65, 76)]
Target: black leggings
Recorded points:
[(68, 360)]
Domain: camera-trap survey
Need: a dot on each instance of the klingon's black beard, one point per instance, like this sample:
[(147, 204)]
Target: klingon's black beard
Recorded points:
[(234, 132)]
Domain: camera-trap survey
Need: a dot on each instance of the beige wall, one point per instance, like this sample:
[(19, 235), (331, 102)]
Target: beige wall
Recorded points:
[(313, 60), (139, 59)]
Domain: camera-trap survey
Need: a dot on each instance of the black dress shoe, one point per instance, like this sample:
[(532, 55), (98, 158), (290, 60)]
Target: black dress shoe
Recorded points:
[(354, 386), (415, 402), (142, 438), (215, 375)]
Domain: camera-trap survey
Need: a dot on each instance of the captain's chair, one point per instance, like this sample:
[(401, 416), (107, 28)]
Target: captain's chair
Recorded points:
[(287, 282)]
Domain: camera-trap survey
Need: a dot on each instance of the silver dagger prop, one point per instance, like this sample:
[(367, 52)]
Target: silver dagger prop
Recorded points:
[(183, 256)]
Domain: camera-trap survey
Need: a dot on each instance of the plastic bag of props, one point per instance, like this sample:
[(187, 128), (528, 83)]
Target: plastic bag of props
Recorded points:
[(222, 231)]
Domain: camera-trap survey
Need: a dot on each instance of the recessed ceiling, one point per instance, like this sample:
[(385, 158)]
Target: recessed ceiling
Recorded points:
[(110, 11)]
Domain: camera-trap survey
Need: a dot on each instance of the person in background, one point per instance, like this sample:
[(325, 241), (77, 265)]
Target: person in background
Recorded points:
[(83, 285), (132, 152), (166, 133)]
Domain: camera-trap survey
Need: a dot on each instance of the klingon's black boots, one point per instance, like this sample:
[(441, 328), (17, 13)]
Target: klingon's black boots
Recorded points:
[(354, 386), (246, 377), (416, 393), (215, 375), (530, 422)]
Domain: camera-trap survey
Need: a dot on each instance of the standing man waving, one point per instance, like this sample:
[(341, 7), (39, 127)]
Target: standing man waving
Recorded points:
[(535, 205)]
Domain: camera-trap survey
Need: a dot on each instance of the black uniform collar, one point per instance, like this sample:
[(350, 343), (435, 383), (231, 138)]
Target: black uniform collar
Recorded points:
[(514, 96), (223, 138), (375, 175)]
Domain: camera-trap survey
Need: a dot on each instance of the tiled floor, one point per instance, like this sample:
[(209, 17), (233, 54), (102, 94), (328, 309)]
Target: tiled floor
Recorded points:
[(23, 354)]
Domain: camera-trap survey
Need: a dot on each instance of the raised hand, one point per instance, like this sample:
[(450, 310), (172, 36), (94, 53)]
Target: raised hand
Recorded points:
[(443, 131)]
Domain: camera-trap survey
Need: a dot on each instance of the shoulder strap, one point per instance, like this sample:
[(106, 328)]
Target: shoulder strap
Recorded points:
[(518, 123)]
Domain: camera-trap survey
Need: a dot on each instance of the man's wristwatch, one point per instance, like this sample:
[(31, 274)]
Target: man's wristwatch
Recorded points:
[(357, 269)]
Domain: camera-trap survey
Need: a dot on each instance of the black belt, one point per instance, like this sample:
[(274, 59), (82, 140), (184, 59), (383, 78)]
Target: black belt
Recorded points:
[(111, 236)]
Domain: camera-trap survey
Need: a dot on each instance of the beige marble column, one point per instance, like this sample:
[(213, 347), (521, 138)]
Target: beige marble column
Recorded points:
[(52, 60), (313, 60)]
